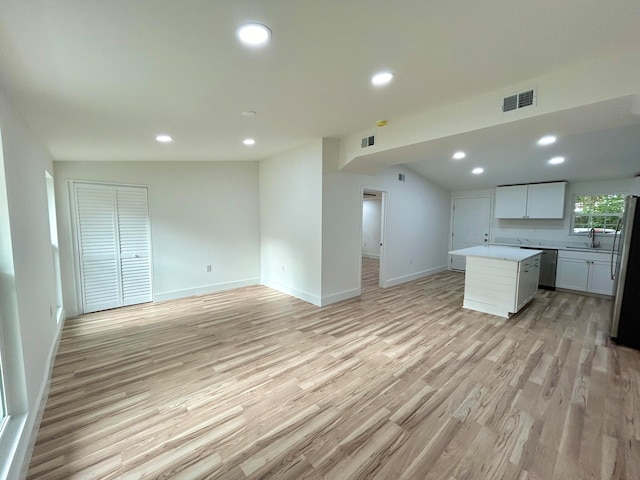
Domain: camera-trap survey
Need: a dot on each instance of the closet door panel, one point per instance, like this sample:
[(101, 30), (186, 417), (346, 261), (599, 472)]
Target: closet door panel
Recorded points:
[(98, 247), (135, 241)]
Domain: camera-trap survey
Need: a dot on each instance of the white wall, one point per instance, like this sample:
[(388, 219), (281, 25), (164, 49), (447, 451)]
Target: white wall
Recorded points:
[(27, 289), (291, 222), (201, 213), (417, 221), (371, 210)]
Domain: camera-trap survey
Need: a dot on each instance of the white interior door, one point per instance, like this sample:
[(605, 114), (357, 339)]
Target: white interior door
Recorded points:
[(113, 239), (471, 226)]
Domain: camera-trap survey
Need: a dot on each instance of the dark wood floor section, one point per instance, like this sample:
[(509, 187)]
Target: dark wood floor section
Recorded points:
[(401, 383)]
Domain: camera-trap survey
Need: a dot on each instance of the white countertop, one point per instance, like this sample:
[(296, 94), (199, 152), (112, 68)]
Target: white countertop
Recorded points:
[(513, 254), (557, 247), (579, 246)]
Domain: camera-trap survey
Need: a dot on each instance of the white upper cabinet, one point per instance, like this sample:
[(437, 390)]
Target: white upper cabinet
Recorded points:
[(511, 202), (538, 200), (546, 200)]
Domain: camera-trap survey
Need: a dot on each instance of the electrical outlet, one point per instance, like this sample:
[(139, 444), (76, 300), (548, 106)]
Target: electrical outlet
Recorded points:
[(208, 268), (283, 269), (411, 261)]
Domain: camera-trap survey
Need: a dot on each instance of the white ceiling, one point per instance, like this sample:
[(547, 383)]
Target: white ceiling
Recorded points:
[(97, 80)]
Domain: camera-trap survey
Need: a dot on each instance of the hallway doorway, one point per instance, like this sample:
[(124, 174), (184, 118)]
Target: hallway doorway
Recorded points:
[(372, 243), (370, 273)]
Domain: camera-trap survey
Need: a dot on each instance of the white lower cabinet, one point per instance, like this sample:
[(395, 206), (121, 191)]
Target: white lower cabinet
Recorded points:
[(528, 281), (584, 272), (572, 273), (600, 280)]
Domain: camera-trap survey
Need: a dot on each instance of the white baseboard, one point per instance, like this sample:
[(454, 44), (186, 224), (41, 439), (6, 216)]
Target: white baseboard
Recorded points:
[(338, 297), (371, 255), (32, 424), (392, 282), (216, 287), (307, 297)]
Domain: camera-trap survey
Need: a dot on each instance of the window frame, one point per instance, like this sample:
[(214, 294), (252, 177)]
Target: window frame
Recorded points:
[(604, 231), (3, 398)]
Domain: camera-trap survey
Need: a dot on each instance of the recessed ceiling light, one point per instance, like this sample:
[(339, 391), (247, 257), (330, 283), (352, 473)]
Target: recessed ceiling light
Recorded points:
[(556, 161), (381, 78), (249, 141), (248, 113), (164, 138), (477, 170), (253, 34), (547, 140), (459, 155)]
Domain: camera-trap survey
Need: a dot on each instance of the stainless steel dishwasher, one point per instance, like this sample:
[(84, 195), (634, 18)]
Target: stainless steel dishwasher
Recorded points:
[(548, 260)]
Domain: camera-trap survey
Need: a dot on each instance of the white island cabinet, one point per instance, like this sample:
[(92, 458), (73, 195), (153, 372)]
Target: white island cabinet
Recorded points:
[(499, 280)]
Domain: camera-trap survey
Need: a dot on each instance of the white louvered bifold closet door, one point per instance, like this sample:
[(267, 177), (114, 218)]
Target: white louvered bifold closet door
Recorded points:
[(98, 247), (135, 254), (113, 244)]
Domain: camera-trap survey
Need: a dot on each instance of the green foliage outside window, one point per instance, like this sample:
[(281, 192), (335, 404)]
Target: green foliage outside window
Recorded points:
[(600, 212)]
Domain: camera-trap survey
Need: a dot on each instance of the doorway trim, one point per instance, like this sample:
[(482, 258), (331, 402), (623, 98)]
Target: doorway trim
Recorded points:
[(382, 276)]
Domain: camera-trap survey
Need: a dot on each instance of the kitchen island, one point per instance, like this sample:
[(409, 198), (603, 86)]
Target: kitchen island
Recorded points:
[(499, 280)]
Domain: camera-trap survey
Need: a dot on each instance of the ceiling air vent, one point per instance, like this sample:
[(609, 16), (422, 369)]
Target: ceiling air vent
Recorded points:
[(519, 100), (368, 141)]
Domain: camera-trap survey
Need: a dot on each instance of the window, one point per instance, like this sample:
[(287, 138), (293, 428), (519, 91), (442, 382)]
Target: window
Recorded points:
[(55, 251), (600, 212)]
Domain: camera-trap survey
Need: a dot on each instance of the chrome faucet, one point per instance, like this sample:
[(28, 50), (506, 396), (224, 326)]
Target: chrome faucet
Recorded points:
[(592, 236)]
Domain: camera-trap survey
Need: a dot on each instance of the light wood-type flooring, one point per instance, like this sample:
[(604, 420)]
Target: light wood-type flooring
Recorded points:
[(401, 383)]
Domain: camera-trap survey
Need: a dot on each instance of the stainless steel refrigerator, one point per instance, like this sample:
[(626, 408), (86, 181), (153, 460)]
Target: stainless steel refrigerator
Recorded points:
[(625, 269)]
